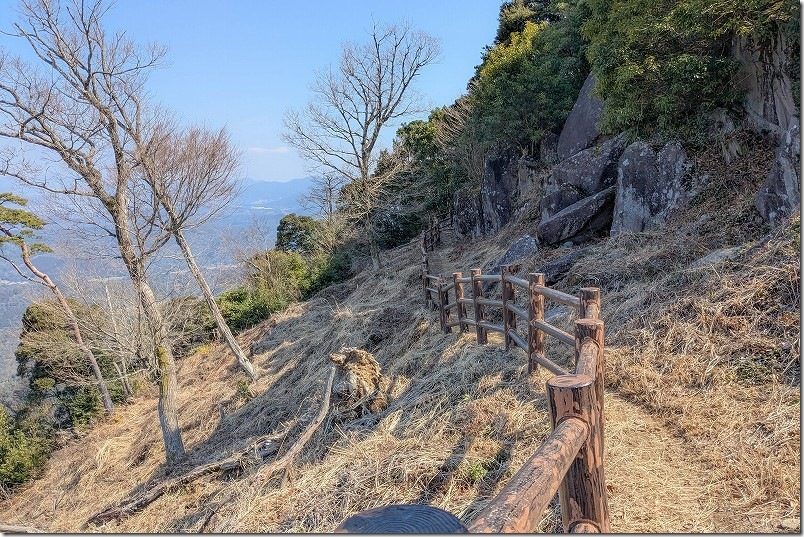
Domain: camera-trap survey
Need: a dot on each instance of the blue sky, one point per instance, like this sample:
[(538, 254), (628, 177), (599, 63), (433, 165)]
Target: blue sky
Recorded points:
[(242, 63)]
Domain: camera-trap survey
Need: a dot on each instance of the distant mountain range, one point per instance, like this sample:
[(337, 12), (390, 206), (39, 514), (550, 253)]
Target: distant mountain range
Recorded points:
[(247, 225)]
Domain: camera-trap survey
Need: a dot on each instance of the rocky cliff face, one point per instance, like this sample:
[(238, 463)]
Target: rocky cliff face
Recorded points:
[(598, 186), (769, 101), (506, 179)]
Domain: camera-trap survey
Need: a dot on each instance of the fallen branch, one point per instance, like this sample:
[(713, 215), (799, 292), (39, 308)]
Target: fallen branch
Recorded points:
[(260, 448), (294, 450), (12, 528)]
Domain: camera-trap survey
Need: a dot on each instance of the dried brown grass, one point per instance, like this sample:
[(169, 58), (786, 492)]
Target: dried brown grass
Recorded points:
[(702, 420)]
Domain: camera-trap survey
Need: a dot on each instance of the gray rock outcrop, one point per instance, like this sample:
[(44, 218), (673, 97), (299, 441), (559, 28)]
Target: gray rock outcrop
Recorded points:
[(580, 129), (768, 90), (586, 173), (506, 179), (780, 195), (580, 221), (524, 246), (466, 214), (650, 186)]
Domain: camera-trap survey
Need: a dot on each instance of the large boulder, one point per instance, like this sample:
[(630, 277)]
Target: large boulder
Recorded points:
[(582, 175), (764, 77), (507, 177), (780, 195), (580, 129), (580, 221), (525, 246), (650, 186), (499, 182)]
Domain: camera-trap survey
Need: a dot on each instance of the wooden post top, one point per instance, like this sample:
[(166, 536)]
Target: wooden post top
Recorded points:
[(413, 518)]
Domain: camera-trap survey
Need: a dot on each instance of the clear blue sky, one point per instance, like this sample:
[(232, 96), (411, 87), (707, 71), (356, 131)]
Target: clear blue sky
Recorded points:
[(242, 63)]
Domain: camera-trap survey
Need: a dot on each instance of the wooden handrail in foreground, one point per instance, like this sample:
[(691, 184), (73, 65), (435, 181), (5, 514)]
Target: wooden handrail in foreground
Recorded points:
[(538, 480)]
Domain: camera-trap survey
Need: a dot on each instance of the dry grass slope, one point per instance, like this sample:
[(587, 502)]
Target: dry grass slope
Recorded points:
[(703, 395)]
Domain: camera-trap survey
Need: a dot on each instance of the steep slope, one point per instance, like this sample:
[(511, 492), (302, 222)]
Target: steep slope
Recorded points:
[(702, 400)]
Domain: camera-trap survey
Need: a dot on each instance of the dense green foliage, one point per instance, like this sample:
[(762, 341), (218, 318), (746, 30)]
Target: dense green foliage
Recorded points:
[(298, 234), (661, 65), (17, 225), (26, 441), (530, 78), (278, 277)]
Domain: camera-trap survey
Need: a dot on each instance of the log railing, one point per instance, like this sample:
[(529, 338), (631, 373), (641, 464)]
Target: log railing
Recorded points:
[(570, 461)]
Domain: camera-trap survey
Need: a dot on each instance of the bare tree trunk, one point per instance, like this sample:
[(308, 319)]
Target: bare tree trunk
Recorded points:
[(166, 364), (68, 311), (213, 306)]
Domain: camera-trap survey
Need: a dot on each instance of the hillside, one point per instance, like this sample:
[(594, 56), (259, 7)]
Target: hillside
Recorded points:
[(702, 392)]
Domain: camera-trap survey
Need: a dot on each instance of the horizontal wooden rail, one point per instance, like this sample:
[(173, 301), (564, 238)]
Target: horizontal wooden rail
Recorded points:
[(555, 332), (549, 364), (570, 462), (490, 302), (558, 296), (516, 338), (521, 503), (491, 326), (519, 311), (519, 282)]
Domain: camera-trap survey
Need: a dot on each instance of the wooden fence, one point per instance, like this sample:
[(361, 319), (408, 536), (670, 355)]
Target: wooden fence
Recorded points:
[(570, 461)]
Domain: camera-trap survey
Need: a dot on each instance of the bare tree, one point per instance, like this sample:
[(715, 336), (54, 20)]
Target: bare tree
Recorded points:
[(339, 130), (87, 110), (192, 176), (15, 225)]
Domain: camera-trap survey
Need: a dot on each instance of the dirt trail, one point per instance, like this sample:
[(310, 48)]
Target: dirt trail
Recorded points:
[(653, 486)]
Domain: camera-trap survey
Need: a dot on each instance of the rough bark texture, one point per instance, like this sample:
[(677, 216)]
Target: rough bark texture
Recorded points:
[(220, 322)]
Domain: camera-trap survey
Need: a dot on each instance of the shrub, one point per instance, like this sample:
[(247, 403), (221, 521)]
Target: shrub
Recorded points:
[(25, 445), (661, 65)]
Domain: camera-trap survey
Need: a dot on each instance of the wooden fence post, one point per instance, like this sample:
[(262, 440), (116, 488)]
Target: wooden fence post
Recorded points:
[(425, 272), (536, 309), (509, 317), (590, 303), (593, 329), (458, 297), (480, 311), (582, 494), (443, 300)]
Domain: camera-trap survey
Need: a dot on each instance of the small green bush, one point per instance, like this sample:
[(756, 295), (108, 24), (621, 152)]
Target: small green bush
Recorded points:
[(25, 445)]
